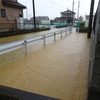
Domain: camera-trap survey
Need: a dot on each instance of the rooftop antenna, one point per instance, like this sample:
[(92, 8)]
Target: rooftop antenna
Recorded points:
[(67, 8)]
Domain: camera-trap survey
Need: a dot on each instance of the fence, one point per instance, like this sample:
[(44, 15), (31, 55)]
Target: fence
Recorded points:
[(23, 43), (23, 25)]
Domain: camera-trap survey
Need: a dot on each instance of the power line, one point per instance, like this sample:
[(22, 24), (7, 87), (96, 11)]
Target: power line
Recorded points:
[(56, 4)]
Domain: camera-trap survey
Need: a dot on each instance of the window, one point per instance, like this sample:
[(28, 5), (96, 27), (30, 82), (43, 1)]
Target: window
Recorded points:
[(3, 13), (20, 15), (87, 17)]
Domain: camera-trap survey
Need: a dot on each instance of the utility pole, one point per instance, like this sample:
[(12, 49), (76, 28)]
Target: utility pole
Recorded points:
[(34, 15), (27, 13), (90, 19), (72, 11), (78, 9)]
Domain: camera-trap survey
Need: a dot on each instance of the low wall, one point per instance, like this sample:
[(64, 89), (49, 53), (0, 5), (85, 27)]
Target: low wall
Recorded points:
[(83, 30), (18, 32)]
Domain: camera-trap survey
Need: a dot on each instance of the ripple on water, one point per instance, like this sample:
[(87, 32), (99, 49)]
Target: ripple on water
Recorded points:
[(58, 69)]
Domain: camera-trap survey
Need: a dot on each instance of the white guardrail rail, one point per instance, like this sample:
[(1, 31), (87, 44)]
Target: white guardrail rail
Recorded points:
[(4, 48)]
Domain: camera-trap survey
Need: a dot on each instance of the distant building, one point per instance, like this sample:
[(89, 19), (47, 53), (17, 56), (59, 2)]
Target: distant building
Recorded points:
[(39, 19), (68, 13), (80, 19), (10, 10), (25, 20), (87, 20), (66, 16), (61, 19)]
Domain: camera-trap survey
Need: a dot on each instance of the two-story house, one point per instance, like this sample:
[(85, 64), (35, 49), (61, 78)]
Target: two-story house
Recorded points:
[(66, 16), (10, 10)]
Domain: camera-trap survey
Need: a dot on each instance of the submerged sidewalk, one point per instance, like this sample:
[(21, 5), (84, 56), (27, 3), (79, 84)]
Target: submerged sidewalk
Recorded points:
[(59, 70)]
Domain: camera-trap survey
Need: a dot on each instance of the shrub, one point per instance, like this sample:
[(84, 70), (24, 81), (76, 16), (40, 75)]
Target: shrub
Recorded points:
[(42, 28), (82, 25)]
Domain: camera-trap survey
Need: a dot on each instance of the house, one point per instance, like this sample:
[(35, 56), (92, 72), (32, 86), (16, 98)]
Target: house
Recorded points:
[(39, 19), (66, 16), (25, 20), (61, 19), (10, 10), (80, 19)]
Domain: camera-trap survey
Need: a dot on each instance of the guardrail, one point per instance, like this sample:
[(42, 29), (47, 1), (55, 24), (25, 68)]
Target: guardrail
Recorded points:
[(23, 43)]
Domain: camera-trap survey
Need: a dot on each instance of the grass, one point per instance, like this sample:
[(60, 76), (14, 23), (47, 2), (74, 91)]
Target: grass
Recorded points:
[(42, 28)]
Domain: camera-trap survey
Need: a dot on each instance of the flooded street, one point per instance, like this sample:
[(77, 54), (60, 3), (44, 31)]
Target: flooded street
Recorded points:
[(59, 69)]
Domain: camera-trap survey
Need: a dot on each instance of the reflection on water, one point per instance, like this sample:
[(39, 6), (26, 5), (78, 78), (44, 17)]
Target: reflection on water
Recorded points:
[(57, 70)]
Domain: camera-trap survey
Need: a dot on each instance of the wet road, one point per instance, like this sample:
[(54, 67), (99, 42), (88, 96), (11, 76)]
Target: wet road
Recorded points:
[(59, 69)]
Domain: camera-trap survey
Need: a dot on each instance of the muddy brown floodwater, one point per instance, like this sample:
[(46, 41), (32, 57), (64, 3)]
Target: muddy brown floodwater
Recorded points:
[(59, 69)]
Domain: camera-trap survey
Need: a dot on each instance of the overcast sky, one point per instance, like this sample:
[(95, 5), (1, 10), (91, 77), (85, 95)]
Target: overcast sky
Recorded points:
[(52, 8)]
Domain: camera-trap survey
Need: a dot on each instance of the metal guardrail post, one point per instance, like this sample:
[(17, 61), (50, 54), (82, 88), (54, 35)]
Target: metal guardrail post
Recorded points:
[(66, 32), (61, 34), (71, 30), (25, 43), (54, 36), (44, 40)]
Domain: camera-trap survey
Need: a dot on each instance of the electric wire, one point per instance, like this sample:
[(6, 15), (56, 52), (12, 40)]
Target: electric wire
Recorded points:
[(56, 4)]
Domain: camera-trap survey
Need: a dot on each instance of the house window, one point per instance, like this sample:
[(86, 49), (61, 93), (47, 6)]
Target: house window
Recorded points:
[(20, 15), (3, 13)]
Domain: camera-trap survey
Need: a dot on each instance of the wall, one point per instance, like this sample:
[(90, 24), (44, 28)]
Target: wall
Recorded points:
[(87, 21), (69, 15), (11, 12)]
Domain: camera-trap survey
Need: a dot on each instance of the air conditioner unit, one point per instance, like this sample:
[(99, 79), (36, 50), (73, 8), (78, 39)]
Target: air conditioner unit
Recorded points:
[(8, 18), (20, 24)]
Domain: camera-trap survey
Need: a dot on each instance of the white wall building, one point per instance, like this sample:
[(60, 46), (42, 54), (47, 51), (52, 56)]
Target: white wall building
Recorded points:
[(87, 20)]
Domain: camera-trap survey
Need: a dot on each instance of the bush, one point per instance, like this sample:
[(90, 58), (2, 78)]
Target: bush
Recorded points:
[(82, 25), (60, 26), (42, 28), (84, 28)]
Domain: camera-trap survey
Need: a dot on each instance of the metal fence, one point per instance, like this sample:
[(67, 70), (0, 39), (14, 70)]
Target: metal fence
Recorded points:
[(23, 43), (23, 25)]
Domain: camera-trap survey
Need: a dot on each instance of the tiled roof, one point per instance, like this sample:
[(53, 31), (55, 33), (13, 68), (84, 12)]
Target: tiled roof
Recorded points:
[(68, 12), (13, 4)]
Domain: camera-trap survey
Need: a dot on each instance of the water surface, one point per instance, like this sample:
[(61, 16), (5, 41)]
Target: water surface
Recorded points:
[(59, 69)]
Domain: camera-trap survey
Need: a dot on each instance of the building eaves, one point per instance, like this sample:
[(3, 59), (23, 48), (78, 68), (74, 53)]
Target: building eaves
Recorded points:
[(68, 12), (13, 4)]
